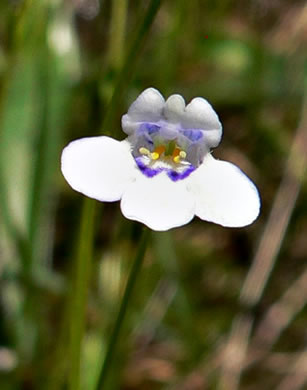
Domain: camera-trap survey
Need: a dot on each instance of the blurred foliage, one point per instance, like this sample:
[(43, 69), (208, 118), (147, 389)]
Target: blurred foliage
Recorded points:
[(60, 62)]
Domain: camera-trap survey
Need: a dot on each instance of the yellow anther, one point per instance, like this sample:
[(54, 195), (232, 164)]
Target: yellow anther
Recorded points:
[(178, 155), (157, 152), (155, 155), (176, 159), (144, 151)]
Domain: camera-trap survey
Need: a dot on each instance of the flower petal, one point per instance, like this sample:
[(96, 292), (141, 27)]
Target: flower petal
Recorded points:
[(199, 114), (174, 107), (158, 202), (99, 167), (224, 194), (146, 108)]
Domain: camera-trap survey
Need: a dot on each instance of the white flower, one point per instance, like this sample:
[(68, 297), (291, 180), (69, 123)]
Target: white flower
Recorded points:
[(163, 172)]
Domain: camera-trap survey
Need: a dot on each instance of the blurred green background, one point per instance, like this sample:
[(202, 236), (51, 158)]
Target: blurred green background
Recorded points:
[(213, 308)]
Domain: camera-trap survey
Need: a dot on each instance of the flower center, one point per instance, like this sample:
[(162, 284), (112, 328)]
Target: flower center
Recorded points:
[(168, 154), (167, 147)]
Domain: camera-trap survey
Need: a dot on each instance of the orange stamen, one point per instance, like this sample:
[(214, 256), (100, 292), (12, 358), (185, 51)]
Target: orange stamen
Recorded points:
[(176, 152), (159, 149)]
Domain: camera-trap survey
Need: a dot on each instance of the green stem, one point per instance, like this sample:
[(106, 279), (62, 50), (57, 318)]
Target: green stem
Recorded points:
[(78, 310), (37, 205), (118, 32), (14, 232), (129, 63), (123, 308), (79, 290)]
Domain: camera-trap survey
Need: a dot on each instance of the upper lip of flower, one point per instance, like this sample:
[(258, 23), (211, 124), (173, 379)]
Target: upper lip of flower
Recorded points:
[(155, 126), (151, 107), (163, 173)]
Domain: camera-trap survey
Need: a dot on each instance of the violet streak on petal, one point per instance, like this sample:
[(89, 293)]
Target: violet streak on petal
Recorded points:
[(193, 135), (147, 171), (175, 176)]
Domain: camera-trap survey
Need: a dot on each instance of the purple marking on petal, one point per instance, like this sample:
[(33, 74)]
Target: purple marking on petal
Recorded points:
[(149, 172), (152, 129), (149, 128), (193, 134), (172, 174), (175, 176)]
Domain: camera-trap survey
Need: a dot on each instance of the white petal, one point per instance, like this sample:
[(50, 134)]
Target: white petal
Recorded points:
[(158, 202), (98, 167), (224, 194), (174, 107), (199, 114)]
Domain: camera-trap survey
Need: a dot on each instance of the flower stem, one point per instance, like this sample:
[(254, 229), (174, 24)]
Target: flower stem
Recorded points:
[(126, 72), (123, 308), (118, 33), (86, 238), (79, 290)]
